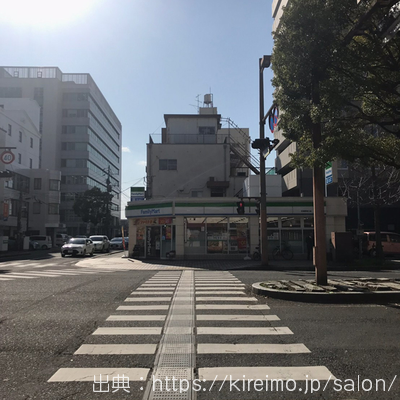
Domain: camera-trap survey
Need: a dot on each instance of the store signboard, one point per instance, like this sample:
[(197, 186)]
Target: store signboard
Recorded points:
[(137, 193)]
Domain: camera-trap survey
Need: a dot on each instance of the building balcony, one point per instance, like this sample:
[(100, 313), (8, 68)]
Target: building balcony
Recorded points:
[(291, 180), (282, 161), (212, 184)]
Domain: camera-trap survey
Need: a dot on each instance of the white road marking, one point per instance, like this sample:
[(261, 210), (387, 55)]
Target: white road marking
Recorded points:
[(320, 373), (89, 374), (244, 331), (233, 317), (142, 308), (117, 349), (128, 331), (148, 299), (221, 298), (136, 318), (259, 348), (231, 307)]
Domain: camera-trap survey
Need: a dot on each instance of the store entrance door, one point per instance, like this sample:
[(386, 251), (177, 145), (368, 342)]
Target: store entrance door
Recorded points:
[(153, 242)]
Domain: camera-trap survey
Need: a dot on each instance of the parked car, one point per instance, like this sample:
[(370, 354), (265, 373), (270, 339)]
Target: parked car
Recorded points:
[(61, 239), (33, 245), (44, 241), (101, 243), (390, 243), (116, 243), (77, 247)]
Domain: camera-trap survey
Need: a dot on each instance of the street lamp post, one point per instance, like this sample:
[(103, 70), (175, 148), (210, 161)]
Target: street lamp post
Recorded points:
[(263, 63)]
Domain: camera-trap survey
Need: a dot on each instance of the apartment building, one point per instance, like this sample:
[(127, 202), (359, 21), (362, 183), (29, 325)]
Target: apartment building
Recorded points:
[(80, 134)]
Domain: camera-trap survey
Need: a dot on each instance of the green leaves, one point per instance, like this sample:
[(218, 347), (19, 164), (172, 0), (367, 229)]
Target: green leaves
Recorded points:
[(357, 101), (92, 205)]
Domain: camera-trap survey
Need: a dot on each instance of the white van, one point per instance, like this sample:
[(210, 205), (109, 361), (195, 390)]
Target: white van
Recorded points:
[(61, 239), (44, 241)]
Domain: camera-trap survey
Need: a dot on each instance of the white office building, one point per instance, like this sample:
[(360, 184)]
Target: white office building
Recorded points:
[(80, 135)]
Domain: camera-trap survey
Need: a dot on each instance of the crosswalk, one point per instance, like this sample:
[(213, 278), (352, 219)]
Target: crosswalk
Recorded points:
[(193, 328), (51, 273)]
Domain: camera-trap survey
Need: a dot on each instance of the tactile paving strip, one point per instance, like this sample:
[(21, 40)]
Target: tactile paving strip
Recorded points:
[(176, 354)]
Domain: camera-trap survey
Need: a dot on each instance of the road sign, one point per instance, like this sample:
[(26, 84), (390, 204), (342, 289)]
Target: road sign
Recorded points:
[(328, 173), (7, 157), (273, 118)]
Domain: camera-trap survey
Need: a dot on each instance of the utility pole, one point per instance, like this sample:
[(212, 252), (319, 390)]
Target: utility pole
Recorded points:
[(319, 255), (108, 202), (263, 63)]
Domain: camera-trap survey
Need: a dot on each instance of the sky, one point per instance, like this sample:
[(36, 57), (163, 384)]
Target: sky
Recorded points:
[(149, 58)]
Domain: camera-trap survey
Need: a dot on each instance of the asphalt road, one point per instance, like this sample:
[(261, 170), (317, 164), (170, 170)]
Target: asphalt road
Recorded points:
[(44, 320)]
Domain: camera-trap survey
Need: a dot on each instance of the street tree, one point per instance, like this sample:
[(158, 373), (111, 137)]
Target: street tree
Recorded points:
[(93, 206), (346, 81), (313, 61)]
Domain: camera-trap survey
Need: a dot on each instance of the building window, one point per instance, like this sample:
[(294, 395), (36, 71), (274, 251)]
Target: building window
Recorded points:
[(19, 158), (9, 130), (30, 163), (20, 136), (53, 209), (37, 183), (217, 192), (77, 113), (54, 185), (290, 222), (31, 143), (207, 130), (36, 207), (197, 193), (168, 165)]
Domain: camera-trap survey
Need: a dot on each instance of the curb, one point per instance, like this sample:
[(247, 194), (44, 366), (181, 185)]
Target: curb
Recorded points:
[(336, 297)]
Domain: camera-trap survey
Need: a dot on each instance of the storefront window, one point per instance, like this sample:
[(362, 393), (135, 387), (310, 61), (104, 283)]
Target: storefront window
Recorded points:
[(272, 222), (217, 235), (290, 222), (308, 222), (195, 236), (238, 235), (292, 239), (273, 240), (140, 240)]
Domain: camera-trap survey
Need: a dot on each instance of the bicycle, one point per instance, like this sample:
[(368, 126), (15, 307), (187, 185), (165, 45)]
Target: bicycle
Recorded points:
[(284, 252)]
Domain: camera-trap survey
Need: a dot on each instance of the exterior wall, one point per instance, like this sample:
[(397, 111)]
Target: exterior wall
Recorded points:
[(195, 165), (277, 10), (99, 136), (251, 186), (180, 125)]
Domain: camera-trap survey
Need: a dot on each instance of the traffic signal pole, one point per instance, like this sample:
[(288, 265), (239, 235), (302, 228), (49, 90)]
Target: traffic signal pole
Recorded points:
[(263, 190)]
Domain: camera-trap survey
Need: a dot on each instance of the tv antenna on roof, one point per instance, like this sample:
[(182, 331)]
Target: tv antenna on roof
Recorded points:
[(198, 103)]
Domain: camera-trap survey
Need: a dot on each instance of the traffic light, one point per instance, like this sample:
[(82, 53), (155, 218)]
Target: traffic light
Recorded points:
[(6, 174), (260, 144), (240, 207), (258, 208)]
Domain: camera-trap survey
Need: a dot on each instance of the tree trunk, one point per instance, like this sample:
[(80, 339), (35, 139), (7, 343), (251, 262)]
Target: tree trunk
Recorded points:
[(377, 216)]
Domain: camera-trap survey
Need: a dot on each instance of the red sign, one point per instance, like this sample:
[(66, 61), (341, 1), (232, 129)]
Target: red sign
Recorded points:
[(7, 157)]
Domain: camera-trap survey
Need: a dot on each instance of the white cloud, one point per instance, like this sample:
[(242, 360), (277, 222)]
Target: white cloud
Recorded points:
[(142, 163), (126, 150)]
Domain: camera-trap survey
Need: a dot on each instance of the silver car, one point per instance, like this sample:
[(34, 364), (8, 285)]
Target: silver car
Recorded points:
[(116, 243), (101, 243), (77, 247)]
